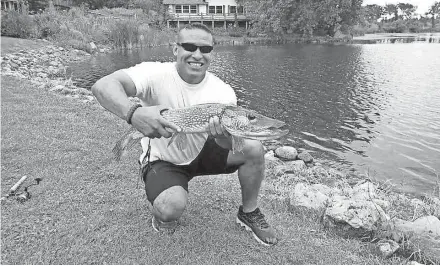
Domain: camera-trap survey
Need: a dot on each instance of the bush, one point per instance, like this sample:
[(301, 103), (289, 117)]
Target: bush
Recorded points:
[(396, 27), (125, 33), (18, 25)]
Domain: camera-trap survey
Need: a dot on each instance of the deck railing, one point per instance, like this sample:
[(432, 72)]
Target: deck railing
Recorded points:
[(203, 16)]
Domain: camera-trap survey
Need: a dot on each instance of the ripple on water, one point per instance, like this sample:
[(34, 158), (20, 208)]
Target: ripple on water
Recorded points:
[(369, 107)]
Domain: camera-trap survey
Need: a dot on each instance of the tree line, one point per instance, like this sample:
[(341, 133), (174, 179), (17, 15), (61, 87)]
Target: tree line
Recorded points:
[(329, 17), (305, 17)]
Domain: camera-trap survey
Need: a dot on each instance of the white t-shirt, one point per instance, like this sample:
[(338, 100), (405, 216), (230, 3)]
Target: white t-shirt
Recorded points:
[(160, 84)]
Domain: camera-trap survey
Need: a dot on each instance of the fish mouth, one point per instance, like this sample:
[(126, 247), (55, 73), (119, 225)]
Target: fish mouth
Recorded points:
[(263, 134)]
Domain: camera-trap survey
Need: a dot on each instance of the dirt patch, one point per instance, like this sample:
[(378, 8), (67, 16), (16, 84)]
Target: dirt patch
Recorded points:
[(12, 45)]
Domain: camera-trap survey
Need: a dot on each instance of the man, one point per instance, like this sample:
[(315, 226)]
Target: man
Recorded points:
[(178, 84)]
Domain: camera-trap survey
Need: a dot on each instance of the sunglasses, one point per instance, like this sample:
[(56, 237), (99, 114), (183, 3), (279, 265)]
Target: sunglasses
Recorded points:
[(206, 49)]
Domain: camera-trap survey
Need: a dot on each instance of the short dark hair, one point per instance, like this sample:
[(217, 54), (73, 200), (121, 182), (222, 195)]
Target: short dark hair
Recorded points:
[(196, 25)]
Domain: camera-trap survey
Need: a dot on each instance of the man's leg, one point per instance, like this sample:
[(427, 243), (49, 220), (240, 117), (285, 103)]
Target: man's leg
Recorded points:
[(168, 207), (251, 174), (166, 187)]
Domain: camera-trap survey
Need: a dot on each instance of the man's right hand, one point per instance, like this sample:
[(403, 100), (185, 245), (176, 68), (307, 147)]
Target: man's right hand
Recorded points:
[(151, 123)]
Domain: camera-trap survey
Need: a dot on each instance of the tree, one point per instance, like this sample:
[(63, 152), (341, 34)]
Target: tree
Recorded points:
[(392, 10), (407, 9), (434, 10), (303, 16), (373, 12)]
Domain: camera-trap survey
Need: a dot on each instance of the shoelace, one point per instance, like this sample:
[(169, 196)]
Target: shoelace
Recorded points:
[(258, 218)]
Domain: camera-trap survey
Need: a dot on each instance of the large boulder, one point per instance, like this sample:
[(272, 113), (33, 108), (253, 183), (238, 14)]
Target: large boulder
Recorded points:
[(423, 225), (310, 196), (364, 216)]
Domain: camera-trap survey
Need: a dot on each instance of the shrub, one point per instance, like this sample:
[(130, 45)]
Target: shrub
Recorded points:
[(124, 33), (15, 24)]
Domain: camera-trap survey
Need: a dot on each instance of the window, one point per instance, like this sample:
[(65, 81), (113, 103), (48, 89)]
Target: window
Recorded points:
[(215, 9), (186, 9), (232, 9), (240, 9)]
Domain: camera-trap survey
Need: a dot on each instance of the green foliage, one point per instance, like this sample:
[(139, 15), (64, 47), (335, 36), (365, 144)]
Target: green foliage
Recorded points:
[(372, 13), (278, 17), (15, 24), (398, 26), (124, 33), (407, 9)]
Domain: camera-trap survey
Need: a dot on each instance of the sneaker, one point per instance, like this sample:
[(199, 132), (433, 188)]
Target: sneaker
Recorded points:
[(255, 222), (165, 227)]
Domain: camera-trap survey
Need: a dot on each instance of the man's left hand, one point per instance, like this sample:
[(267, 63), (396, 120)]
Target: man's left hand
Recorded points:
[(216, 129)]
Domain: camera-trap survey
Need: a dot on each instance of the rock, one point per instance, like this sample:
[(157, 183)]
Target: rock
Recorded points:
[(359, 214), (364, 191), (93, 46), (423, 225), (295, 166), (58, 88), (292, 167), (387, 247), (385, 205), (305, 156), (286, 153), (313, 197), (271, 160), (42, 75)]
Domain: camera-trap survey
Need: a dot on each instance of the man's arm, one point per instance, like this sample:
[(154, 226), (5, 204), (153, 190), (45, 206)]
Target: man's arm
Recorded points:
[(112, 93)]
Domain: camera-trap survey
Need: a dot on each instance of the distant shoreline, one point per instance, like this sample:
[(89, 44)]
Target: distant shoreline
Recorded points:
[(376, 36)]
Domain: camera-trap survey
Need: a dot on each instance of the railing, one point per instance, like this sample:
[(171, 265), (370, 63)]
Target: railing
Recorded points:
[(202, 16)]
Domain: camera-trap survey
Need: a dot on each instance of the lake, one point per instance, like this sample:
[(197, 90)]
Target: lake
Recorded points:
[(371, 107)]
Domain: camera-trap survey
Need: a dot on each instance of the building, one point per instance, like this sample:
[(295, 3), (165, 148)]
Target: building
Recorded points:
[(11, 4), (213, 13)]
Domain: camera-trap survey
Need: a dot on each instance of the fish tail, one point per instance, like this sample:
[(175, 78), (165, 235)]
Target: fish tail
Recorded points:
[(125, 143)]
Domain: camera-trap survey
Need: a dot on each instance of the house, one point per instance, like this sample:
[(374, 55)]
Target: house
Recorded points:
[(214, 13), (11, 4)]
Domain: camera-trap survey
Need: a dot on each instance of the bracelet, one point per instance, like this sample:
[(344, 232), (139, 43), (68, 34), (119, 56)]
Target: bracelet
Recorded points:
[(131, 112)]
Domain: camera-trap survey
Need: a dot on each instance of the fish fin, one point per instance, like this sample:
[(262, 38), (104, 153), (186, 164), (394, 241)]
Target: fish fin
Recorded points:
[(179, 139), (125, 143), (237, 144)]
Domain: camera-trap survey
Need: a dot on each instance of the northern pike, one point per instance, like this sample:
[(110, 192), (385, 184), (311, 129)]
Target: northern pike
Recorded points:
[(239, 122)]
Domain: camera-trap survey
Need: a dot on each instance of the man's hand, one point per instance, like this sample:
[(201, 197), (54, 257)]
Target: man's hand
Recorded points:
[(151, 123), (215, 128)]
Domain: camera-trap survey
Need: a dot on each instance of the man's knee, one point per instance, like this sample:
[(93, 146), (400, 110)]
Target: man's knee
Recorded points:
[(253, 150), (170, 204)]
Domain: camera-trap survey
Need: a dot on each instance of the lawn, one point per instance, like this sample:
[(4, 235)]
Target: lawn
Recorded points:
[(88, 209)]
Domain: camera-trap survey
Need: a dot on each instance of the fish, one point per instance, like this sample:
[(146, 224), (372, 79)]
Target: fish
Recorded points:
[(239, 122)]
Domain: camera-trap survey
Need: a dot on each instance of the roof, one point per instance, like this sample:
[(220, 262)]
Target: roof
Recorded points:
[(183, 2)]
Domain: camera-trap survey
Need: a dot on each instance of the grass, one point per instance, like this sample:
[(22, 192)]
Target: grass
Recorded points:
[(87, 209)]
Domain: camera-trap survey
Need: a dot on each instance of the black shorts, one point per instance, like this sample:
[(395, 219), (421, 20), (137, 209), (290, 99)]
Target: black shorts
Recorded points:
[(162, 175)]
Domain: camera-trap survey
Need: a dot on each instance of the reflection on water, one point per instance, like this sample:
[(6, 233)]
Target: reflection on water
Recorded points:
[(427, 38), (364, 108)]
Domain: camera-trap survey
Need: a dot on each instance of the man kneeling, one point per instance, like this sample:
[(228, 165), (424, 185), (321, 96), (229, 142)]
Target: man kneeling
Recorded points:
[(166, 171)]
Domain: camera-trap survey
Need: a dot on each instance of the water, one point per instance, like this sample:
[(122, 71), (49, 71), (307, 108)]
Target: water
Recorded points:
[(366, 108)]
